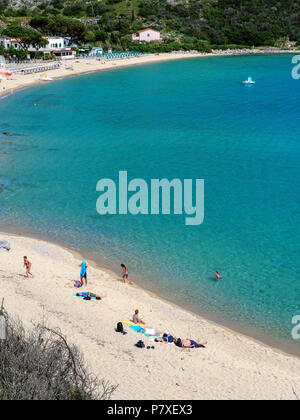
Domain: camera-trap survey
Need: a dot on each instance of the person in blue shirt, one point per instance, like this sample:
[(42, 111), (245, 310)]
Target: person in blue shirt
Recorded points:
[(92, 295), (83, 273)]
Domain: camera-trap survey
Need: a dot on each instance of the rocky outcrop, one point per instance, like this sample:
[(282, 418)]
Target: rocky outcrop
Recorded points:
[(28, 4)]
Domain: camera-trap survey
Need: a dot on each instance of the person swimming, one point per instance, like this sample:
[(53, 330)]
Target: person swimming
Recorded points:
[(217, 276)]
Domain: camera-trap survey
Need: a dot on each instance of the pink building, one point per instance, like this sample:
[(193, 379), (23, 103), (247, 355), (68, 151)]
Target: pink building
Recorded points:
[(146, 35)]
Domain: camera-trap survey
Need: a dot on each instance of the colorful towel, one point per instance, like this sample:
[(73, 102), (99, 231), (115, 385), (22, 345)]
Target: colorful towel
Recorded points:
[(83, 296), (126, 322), (140, 330)]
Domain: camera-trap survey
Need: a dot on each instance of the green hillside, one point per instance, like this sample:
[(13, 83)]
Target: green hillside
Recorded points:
[(190, 24)]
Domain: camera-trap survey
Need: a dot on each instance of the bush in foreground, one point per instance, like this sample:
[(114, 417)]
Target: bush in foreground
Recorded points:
[(41, 365)]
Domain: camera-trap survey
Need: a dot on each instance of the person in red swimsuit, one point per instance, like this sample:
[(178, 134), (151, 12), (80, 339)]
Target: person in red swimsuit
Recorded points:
[(217, 275), (28, 265)]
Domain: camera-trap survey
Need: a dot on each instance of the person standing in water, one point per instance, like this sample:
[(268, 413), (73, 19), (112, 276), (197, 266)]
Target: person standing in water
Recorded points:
[(28, 266), (217, 275), (83, 273), (125, 274)]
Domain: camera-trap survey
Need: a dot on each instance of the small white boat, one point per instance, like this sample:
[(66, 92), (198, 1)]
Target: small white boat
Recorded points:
[(44, 77), (249, 81)]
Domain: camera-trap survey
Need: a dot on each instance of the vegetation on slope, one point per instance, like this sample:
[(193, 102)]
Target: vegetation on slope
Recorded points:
[(185, 24), (42, 365)]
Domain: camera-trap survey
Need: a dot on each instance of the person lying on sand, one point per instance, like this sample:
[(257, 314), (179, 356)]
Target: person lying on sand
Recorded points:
[(166, 338), (190, 344), (28, 266), (91, 295), (136, 319)]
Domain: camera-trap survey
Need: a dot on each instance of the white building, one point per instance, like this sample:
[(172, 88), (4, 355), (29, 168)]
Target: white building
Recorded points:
[(96, 52), (56, 45), (146, 35), (9, 42)]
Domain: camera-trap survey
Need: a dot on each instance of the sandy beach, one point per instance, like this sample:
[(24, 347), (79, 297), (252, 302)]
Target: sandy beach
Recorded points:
[(232, 366), (16, 81)]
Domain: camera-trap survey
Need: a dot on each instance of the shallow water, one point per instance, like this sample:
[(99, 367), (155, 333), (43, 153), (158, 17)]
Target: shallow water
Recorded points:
[(184, 119)]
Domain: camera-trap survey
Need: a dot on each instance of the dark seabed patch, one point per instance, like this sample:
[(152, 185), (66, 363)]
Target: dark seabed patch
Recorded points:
[(6, 147)]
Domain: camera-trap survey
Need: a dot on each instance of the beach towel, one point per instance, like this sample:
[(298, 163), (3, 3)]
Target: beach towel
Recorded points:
[(140, 330), (83, 296), (126, 322)]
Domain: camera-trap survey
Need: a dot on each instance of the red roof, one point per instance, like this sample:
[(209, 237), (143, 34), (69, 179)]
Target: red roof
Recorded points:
[(12, 40)]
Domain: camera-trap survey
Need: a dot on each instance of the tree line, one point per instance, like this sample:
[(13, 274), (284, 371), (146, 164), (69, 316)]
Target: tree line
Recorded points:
[(192, 24)]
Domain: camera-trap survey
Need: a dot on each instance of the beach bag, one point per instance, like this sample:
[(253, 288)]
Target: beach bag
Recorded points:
[(78, 284), (120, 327), (140, 344)]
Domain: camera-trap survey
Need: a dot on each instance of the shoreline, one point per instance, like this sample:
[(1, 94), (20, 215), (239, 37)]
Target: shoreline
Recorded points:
[(17, 82), (230, 333), (99, 262), (233, 366)]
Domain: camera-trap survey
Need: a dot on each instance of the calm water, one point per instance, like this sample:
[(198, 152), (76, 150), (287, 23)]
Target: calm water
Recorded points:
[(185, 119)]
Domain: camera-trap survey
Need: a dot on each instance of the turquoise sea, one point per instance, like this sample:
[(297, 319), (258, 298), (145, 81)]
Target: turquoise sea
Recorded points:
[(183, 119)]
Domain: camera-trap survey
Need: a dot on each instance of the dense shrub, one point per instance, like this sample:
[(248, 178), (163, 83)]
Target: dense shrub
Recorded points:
[(42, 365), (222, 22), (13, 53)]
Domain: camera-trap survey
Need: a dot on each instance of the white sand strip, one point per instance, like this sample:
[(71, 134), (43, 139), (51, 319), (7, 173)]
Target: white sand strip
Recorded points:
[(80, 66), (9, 85), (232, 367)]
